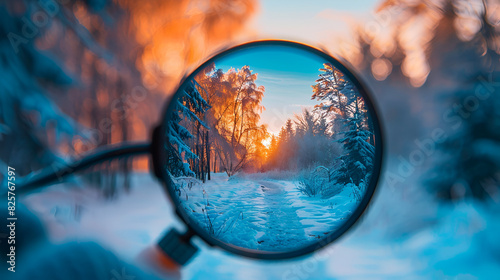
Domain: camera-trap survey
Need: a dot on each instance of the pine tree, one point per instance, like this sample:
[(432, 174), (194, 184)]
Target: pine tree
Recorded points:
[(187, 108), (314, 145), (286, 147), (305, 124), (343, 105), (357, 160), (334, 90)]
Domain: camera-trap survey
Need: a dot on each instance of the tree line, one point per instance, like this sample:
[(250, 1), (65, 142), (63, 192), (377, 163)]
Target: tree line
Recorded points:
[(303, 142), (337, 133), (215, 128)]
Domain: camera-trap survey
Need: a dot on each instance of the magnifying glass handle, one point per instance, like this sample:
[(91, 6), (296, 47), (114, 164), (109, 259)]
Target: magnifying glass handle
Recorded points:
[(51, 174), (178, 246)]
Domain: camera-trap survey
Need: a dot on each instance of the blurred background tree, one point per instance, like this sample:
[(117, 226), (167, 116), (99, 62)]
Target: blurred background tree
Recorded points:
[(78, 75), (429, 57)]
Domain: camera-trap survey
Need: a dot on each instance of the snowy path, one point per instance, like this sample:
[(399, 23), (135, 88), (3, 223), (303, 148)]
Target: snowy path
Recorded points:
[(283, 228), (263, 213)]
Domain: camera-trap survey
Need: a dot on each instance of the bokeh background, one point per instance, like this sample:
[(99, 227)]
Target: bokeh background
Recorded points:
[(77, 75)]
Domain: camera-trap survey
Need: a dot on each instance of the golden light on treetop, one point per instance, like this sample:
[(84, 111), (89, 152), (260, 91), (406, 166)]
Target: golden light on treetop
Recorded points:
[(179, 34)]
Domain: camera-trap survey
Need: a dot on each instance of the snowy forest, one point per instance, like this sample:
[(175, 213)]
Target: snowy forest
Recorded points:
[(219, 145), (82, 74), (218, 128)]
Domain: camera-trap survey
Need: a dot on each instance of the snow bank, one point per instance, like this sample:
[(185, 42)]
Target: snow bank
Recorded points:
[(404, 234), (253, 212)]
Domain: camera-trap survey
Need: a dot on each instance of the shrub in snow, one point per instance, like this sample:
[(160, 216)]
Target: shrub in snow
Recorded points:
[(311, 183), (331, 189), (309, 186)]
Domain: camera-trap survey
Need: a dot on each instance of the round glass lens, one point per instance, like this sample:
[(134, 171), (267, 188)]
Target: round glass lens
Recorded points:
[(270, 148)]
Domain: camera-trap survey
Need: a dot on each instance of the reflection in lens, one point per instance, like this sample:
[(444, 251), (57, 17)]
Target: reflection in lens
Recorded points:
[(269, 148)]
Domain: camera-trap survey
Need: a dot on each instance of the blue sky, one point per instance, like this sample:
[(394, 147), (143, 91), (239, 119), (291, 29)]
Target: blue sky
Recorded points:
[(318, 22), (287, 75)]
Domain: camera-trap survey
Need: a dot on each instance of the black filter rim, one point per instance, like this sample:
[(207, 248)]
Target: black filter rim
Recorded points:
[(159, 157)]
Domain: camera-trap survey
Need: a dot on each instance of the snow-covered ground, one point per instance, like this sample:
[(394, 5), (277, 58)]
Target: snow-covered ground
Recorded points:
[(263, 214), (405, 234)]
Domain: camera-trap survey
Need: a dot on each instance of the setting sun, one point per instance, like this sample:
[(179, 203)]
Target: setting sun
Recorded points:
[(267, 142)]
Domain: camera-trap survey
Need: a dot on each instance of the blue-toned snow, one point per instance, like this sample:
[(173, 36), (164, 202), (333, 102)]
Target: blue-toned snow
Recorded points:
[(263, 214), (405, 234)]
